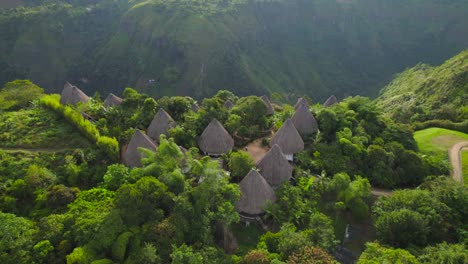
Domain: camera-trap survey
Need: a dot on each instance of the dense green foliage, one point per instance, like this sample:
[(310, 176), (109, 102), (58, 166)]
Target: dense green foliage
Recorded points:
[(427, 93), (315, 47), (18, 94), (356, 138), (73, 202), (110, 146)]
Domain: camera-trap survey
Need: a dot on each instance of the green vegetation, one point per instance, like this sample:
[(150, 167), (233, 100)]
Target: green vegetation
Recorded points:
[(197, 47), (429, 93), (437, 141), (109, 145), (64, 197)]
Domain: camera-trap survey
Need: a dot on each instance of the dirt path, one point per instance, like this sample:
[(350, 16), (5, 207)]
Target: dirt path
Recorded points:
[(381, 192), (455, 160), (256, 150), (49, 150)]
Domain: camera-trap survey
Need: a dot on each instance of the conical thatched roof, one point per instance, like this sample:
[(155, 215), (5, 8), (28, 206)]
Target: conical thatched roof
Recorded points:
[(215, 140), (72, 95), (161, 124), (112, 100), (139, 140), (270, 109), (304, 121), (288, 138), (195, 108), (301, 101), (228, 104), (330, 101), (255, 193), (274, 167)]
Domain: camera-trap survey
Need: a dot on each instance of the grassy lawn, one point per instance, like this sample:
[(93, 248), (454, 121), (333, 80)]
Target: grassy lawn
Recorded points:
[(37, 127), (437, 141)]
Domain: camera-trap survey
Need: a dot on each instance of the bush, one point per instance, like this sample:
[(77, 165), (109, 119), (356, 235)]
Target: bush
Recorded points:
[(462, 126), (18, 94), (120, 246), (240, 164), (108, 145)]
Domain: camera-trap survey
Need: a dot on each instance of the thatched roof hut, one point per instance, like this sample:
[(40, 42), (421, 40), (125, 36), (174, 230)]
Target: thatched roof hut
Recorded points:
[(304, 121), (288, 139), (274, 167), (267, 102), (301, 101), (228, 104), (112, 100), (330, 101), (72, 95), (161, 124), (132, 154), (255, 194), (195, 108), (215, 140)]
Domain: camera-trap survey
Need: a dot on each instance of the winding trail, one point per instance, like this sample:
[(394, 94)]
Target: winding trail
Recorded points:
[(456, 162), (48, 150)]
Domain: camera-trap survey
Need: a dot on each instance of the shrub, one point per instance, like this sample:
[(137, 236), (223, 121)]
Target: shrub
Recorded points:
[(120, 246), (108, 145)]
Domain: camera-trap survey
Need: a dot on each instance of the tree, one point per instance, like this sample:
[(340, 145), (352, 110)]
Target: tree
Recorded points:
[(185, 255), (252, 112), (401, 228), (310, 255), (16, 239), (175, 106), (445, 253), (18, 94), (240, 163), (146, 200), (417, 211), (376, 253), (116, 175), (94, 220), (210, 203)]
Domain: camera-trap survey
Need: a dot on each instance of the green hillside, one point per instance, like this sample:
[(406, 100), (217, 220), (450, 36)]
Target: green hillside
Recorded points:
[(183, 47), (425, 92)]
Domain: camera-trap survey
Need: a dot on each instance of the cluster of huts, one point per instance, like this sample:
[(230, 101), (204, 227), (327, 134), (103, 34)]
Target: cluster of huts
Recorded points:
[(257, 187)]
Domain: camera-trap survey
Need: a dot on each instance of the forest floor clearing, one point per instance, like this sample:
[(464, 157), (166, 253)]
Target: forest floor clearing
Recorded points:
[(256, 149)]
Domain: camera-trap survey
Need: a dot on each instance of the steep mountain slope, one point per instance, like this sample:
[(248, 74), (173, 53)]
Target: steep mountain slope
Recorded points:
[(424, 92), (314, 47)]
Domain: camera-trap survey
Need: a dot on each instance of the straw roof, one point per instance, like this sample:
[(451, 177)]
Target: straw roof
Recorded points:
[(112, 100), (288, 138), (304, 121), (301, 101), (195, 108), (274, 167), (270, 109), (132, 154), (161, 124), (330, 101), (228, 104), (255, 193), (72, 95), (215, 140)]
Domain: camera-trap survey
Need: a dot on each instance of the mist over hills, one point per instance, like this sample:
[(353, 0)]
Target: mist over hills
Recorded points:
[(183, 47)]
